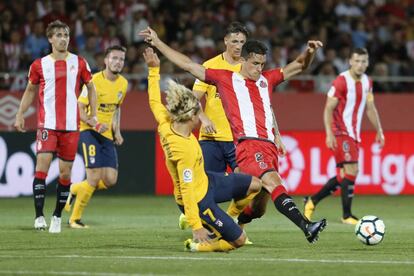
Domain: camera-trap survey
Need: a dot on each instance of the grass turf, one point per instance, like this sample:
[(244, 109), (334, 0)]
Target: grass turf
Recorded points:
[(139, 236)]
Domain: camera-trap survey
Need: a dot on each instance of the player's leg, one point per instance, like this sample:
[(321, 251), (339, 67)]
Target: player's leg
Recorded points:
[(46, 144), (43, 161), (229, 153), (285, 205), (347, 193), (329, 188), (84, 194)]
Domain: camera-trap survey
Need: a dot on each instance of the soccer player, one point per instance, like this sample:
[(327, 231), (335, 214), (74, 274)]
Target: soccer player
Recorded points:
[(58, 78), (215, 137), (343, 112), (195, 192), (98, 143), (246, 101)]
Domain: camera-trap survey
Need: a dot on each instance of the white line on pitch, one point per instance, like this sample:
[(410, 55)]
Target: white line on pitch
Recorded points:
[(87, 273), (185, 258)]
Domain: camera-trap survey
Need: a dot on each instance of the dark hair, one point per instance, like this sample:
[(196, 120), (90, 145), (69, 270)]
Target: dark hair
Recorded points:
[(359, 51), (114, 48), (57, 24), (237, 27), (253, 47)]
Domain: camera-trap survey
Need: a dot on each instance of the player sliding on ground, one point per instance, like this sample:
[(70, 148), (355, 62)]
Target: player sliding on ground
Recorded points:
[(246, 101), (195, 192)]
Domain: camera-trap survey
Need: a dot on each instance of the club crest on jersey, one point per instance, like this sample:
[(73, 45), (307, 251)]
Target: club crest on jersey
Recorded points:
[(262, 165), (263, 84), (43, 134), (188, 176), (345, 146), (119, 95), (258, 156)]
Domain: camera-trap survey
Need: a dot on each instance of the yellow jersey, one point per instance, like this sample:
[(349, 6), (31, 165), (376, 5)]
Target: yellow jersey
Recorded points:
[(183, 156), (110, 95), (214, 108)]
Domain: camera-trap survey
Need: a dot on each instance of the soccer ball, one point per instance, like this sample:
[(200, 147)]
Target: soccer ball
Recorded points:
[(370, 230)]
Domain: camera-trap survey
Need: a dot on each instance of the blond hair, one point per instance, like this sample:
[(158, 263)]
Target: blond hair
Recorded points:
[(181, 102)]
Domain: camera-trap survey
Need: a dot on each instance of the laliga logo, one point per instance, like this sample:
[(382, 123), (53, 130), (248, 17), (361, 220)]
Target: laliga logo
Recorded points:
[(292, 165)]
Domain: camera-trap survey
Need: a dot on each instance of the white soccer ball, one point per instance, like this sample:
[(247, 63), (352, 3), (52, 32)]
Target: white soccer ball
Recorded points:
[(370, 230)]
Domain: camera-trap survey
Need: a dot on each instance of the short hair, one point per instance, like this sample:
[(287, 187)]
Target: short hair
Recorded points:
[(253, 47), (114, 48), (52, 26), (359, 51), (182, 104), (237, 27)]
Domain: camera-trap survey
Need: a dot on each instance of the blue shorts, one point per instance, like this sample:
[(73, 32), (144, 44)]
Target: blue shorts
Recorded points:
[(218, 154), (97, 150), (221, 188)]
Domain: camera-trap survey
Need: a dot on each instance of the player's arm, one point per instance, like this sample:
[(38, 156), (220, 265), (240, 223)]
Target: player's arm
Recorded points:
[(154, 91), (331, 103), (373, 117), (84, 112), (92, 99), (302, 62), (185, 168), (116, 127), (175, 57), (27, 99), (281, 149), (206, 123)]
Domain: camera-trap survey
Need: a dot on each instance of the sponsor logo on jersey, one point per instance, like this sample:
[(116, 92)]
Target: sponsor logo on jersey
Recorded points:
[(345, 146)]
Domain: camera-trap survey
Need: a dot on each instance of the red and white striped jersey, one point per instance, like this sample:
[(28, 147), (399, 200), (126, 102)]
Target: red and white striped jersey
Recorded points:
[(59, 83), (247, 102), (352, 96)]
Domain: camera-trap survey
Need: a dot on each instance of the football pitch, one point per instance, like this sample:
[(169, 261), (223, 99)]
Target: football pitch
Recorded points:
[(138, 235)]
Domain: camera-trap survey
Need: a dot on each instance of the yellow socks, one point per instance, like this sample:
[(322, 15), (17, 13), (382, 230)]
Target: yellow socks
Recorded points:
[(101, 186), (236, 207), (215, 246), (75, 187), (84, 194)]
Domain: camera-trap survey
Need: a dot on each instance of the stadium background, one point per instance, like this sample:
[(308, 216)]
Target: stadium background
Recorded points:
[(196, 27)]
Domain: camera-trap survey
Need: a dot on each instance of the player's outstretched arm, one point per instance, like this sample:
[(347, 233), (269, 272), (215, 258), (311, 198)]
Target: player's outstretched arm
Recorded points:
[(27, 99), (302, 62), (154, 91), (179, 59)]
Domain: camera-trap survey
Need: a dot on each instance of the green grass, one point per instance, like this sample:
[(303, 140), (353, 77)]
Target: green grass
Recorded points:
[(139, 236)]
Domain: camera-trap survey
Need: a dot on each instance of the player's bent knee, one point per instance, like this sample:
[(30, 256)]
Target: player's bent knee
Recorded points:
[(240, 241)]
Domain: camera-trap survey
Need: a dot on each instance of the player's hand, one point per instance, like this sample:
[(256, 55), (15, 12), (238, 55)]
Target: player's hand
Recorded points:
[(118, 139), (313, 45), (201, 235), (380, 139), (91, 121), (150, 36), (208, 125), (151, 58), (101, 128), (280, 147), (331, 141), (19, 123)]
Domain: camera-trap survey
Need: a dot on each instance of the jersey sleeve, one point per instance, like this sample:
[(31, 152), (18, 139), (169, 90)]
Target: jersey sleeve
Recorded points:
[(124, 90), (154, 95), (34, 72), (214, 76), (338, 88), (83, 97), (200, 86), (274, 76), (85, 73), (185, 168)]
